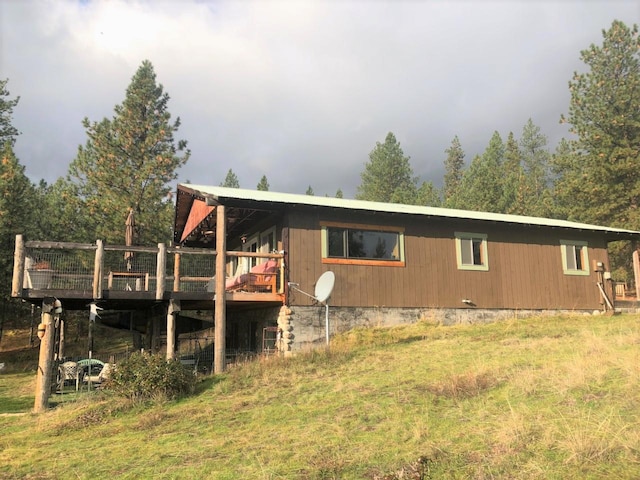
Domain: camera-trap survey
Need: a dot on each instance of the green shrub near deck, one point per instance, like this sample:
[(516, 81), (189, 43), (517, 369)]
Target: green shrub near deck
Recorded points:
[(144, 377)]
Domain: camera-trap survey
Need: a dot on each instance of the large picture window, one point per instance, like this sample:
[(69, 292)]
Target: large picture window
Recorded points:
[(575, 257), (471, 251), (362, 244)]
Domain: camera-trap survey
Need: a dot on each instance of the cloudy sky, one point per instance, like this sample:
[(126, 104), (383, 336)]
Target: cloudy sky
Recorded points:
[(299, 91)]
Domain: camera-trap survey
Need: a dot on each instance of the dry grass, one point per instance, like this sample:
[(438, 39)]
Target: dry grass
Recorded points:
[(527, 399)]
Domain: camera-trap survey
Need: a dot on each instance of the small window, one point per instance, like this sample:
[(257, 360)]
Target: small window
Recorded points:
[(357, 245), (471, 251), (575, 257)]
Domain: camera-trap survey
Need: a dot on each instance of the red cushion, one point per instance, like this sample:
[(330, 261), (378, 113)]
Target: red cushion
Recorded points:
[(270, 266)]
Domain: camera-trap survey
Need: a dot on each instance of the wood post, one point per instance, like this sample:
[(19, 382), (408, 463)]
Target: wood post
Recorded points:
[(172, 312), (161, 275), (636, 271), (219, 355), (45, 360), (18, 267), (176, 272), (97, 270)]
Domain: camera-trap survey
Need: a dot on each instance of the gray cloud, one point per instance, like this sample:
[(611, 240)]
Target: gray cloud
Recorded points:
[(298, 91)]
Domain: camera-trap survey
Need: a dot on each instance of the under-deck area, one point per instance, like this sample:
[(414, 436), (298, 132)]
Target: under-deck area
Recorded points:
[(133, 287)]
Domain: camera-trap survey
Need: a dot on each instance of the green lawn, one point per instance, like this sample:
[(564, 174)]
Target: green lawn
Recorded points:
[(542, 398)]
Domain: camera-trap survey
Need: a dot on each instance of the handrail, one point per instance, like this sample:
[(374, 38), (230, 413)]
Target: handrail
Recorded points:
[(64, 267)]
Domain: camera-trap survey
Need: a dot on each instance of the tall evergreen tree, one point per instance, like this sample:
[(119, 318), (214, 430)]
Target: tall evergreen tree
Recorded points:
[(512, 200), (599, 179), (309, 191), (388, 176), (481, 186), (128, 162), (7, 131), (231, 180), (535, 196), (428, 195), (454, 169), (18, 202), (339, 193), (263, 185)]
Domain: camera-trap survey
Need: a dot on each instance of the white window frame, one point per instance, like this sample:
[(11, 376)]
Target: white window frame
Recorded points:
[(265, 247), (461, 243), (568, 261)]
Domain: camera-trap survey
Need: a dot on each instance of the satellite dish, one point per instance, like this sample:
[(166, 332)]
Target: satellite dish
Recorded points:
[(324, 286)]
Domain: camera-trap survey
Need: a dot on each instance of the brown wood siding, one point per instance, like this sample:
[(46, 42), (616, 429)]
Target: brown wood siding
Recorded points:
[(525, 266)]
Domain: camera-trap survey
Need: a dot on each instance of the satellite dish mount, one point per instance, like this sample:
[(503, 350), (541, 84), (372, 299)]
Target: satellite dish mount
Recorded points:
[(324, 287)]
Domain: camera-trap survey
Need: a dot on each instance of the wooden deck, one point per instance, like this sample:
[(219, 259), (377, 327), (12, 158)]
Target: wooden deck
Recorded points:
[(79, 274)]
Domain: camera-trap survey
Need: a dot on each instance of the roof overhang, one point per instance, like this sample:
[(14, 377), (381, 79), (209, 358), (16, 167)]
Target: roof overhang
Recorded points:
[(243, 204)]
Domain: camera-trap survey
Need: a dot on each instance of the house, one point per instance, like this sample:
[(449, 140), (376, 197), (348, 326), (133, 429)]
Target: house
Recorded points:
[(242, 272), (394, 263)]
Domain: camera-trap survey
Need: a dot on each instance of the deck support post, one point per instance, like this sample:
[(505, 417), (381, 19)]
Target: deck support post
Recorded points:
[(18, 267), (219, 356), (46, 332), (636, 268), (172, 313)]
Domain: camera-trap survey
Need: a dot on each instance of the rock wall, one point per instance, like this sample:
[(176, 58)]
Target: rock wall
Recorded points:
[(307, 324)]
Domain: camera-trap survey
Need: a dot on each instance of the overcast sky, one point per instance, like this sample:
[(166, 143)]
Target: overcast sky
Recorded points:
[(298, 91)]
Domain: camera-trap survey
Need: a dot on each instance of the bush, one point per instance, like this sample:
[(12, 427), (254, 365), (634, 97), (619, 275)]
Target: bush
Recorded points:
[(150, 377)]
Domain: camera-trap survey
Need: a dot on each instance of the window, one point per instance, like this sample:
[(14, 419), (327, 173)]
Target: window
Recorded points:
[(471, 251), (250, 245), (367, 245), (575, 257), (268, 240)]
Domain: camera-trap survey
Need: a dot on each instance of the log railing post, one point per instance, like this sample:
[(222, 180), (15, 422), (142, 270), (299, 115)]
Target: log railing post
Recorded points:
[(176, 271), (161, 274), (18, 267), (97, 270)]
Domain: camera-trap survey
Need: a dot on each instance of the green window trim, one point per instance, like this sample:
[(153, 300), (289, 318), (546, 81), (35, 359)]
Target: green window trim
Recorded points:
[(575, 257), (471, 251)]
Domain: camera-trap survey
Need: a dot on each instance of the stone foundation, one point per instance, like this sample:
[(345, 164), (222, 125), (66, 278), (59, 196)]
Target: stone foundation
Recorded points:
[(308, 323)]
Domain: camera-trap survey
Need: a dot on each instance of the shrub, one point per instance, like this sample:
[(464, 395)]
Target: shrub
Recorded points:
[(150, 377)]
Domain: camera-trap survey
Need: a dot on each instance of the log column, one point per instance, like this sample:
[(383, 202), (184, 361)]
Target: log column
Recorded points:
[(220, 308), (172, 313), (46, 332)]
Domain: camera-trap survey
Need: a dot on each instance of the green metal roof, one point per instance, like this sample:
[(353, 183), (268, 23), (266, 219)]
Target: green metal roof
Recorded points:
[(224, 194)]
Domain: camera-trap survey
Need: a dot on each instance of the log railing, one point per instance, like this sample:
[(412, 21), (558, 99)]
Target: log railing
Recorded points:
[(43, 265)]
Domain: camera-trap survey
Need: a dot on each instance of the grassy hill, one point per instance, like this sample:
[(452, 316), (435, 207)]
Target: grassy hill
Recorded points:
[(538, 398)]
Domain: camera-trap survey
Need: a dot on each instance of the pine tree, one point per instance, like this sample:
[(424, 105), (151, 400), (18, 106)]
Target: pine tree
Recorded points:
[(263, 185), (481, 186), (309, 191), (598, 179), (231, 180), (454, 169), (535, 162), (7, 131), (128, 162), (339, 193), (512, 200), (19, 212), (428, 195), (388, 176)]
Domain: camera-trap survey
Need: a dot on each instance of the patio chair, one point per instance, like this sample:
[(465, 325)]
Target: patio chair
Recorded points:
[(68, 371), (104, 374), (261, 278)]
